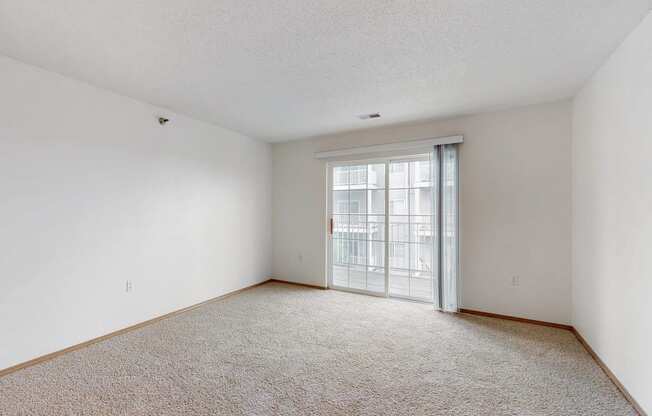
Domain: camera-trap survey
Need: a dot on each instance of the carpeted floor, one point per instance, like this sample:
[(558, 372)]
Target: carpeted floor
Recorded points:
[(286, 350)]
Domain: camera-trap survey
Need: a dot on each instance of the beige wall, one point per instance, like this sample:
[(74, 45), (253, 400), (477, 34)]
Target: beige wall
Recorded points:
[(612, 213), (514, 201), (94, 192)]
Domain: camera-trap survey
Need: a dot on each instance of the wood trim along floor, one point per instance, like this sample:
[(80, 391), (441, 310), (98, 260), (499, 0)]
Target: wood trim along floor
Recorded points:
[(50, 356), (517, 319), (297, 284), (609, 373)]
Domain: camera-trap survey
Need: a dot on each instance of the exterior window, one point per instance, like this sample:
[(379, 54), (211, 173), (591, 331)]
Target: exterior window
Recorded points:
[(358, 176)]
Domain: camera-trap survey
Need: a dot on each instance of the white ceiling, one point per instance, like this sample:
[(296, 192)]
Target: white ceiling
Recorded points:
[(286, 69)]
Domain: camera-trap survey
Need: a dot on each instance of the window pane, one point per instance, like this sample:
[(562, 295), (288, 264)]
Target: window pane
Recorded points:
[(376, 254), (340, 251), (398, 175), (421, 287), (399, 229), (358, 227), (341, 202), (421, 201), (376, 228), (376, 201), (358, 177), (421, 230), (398, 202), (357, 277), (399, 282), (420, 174), (376, 279), (376, 176), (416, 274), (399, 255), (358, 252), (340, 276), (421, 257), (358, 202), (340, 226), (341, 178)]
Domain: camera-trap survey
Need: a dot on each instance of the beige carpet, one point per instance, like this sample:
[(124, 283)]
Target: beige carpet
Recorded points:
[(286, 350)]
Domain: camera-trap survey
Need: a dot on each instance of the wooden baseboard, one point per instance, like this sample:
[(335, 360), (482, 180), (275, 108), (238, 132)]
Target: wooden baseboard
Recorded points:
[(609, 373), (517, 319), (297, 284), (84, 344)]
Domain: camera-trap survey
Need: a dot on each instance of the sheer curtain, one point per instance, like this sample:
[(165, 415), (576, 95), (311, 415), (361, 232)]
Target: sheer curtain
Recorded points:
[(445, 223)]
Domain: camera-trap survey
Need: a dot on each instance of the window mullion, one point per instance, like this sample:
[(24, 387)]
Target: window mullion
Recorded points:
[(386, 237)]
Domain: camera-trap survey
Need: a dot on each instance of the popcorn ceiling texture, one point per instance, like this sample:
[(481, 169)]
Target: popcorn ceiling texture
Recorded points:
[(285, 69), (285, 350)]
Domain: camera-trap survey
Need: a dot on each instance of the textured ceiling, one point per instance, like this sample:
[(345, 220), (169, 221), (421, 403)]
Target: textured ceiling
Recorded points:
[(286, 69)]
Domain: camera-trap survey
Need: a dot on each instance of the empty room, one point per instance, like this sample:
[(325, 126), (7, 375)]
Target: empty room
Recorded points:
[(354, 208)]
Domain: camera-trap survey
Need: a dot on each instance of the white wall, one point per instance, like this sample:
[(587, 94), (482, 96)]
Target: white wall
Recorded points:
[(94, 192), (514, 200), (612, 213)]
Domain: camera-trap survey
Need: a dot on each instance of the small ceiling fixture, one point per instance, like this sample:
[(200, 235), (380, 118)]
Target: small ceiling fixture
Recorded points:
[(369, 116), (162, 120)]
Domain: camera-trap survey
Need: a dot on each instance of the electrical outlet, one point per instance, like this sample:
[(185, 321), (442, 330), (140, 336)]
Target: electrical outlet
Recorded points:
[(516, 281), (129, 286)]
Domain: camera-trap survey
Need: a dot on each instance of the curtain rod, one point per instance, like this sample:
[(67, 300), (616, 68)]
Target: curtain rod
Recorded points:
[(389, 147)]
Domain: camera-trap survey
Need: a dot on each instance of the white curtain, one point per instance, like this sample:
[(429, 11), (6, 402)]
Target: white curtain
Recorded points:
[(445, 223)]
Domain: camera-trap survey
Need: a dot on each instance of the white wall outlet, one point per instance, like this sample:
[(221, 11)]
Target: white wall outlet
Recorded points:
[(129, 286), (516, 281)]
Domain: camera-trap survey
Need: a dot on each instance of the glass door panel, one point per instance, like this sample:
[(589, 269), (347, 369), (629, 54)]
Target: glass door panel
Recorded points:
[(410, 229), (358, 230)]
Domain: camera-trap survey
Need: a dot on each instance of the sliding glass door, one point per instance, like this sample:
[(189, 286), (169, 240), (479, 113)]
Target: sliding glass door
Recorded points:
[(381, 228)]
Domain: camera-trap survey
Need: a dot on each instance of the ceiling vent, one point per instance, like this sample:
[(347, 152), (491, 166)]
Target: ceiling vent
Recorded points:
[(369, 116)]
